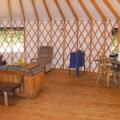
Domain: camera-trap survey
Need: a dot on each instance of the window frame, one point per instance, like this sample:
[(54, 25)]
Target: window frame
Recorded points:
[(11, 43)]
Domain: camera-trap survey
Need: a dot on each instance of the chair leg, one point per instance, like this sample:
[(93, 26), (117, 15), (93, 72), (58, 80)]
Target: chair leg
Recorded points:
[(116, 79), (108, 79), (5, 98), (77, 72), (98, 78), (84, 69), (69, 71)]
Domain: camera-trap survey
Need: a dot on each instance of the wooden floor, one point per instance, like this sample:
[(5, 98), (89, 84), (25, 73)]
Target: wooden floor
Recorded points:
[(67, 98)]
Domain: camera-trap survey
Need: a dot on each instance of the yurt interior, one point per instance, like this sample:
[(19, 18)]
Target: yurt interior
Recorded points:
[(60, 59)]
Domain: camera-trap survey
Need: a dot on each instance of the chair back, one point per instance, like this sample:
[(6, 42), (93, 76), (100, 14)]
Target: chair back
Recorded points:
[(45, 54), (104, 63)]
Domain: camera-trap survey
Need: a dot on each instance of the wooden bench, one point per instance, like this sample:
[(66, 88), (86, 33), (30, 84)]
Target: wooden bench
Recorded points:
[(6, 87)]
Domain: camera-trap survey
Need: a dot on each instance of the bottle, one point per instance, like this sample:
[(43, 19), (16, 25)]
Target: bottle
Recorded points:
[(20, 61)]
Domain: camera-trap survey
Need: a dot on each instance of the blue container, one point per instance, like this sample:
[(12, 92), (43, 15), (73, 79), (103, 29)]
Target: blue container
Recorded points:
[(77, 60)]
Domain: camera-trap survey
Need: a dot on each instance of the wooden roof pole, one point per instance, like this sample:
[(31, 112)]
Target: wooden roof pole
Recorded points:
[(47, 10), (37, 17), (10, 11), (60, 10), (111, 9), (85, 9), (118, 1), (24, 18), (72, 9), (35, 10), (22, 10), (98, 9), (10, 16)]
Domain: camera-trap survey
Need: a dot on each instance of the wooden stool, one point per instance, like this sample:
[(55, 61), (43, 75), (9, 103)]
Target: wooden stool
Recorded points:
[(6, 87)]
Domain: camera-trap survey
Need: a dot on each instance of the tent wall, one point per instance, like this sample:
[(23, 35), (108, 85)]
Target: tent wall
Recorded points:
[(64, 36)]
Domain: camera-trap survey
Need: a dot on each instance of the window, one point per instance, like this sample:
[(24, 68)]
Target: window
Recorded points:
[(11, 40)]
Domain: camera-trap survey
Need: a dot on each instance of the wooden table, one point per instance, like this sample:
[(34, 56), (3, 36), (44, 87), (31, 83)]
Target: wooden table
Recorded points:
[(31, 77), (6, 88)]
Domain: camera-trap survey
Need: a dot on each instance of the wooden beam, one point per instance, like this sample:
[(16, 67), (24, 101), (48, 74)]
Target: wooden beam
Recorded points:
[(64, 42), (111, 9), (10, 11), (104, 35), (60, 10), (90, 44), (98, 9), (77, 34), (85, 9), (35, 10), (72, 9), (47, 10), (22, 10), (118, 1)]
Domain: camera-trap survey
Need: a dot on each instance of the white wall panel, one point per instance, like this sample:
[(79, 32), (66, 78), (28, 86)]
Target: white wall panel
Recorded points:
[(80, 12), (41, 10), (4, 11), (105, 9), (16, 10), (31, 40), (28, 10), (92, 10), (53, 9), (57, 43)]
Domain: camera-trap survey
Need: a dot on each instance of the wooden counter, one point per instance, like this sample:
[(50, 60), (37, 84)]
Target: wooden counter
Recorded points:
[(32, 83)]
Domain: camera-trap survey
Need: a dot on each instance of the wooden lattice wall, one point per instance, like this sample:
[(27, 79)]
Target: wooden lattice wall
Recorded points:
[(64, 37)]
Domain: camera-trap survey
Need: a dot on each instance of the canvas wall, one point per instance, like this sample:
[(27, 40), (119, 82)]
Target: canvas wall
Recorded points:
[(64, 37)]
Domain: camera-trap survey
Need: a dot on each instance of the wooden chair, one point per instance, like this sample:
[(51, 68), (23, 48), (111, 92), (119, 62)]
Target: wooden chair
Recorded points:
[(44, 57), (105, 68)]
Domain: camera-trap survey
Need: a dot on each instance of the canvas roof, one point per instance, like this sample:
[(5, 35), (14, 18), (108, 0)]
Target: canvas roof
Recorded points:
[(59, 9)]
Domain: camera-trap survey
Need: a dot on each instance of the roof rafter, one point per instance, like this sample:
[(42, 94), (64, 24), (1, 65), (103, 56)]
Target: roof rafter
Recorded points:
[(118, 1), (98, 9), (60, 10), (22, 10), (72, 9), (47, 10), (85, 9), (35, 10), (10, 11), (111, 9)]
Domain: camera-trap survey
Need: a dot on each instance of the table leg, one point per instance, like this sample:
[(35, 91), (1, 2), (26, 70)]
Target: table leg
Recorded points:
[(21, 81), (5, 98)]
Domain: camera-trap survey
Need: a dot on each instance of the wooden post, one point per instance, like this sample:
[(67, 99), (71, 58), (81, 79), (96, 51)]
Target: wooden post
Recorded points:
[(104, 34), (38, 37), (25, 42), (77, 25), (51, 28), (90, 45), (64, 39)]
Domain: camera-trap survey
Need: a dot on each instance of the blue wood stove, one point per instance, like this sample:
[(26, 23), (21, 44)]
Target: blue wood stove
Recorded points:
[(77, 60)]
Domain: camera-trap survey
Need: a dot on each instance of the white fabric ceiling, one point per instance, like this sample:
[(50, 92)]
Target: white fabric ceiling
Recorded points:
[(30, 15)]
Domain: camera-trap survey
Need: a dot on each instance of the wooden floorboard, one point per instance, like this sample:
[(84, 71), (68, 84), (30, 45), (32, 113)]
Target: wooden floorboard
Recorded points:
[(68, 98)]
